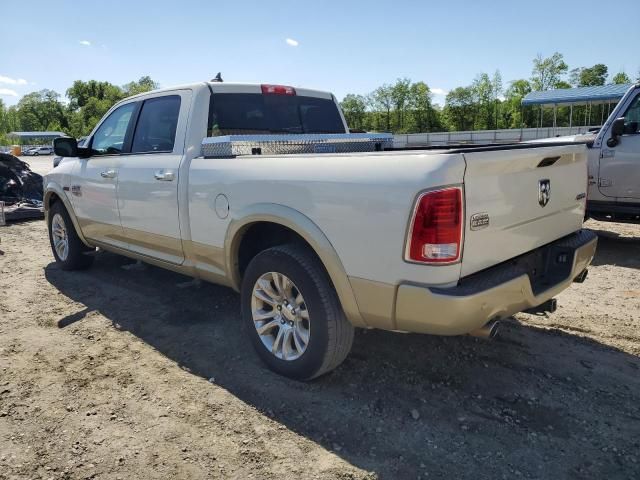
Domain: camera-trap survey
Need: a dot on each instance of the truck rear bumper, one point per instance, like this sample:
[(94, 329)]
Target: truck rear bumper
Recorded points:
[(497, 292)]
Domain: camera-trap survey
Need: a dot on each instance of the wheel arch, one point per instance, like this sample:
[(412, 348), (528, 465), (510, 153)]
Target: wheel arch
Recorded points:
[(54, 193), (301, 226)]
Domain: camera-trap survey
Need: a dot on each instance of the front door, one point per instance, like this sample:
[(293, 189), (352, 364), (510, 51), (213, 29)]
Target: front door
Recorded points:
[(94, 182), (148, 178), (620, 165)]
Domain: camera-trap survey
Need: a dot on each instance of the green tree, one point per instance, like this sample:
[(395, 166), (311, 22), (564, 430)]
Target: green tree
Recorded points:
[(589, 76), (12, 119), (38, 111), (144, 84), (496, 83), (512, 112), (620, 78), (400, 98), (81, 93), (3, 117), (483, 97), (419, 102), (88, 102), (354, 108), (548, 72), (382, 101), (460, 108), (4, 123)]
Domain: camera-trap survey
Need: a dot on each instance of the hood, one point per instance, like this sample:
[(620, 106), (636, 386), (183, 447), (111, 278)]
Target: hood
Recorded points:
[(587, 138)]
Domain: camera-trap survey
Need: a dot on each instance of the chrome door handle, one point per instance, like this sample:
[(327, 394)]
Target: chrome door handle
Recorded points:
[(165, 175), (108, 174)]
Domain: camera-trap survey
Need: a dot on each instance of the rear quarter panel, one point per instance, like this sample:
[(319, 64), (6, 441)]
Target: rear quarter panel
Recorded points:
[(361, 203)]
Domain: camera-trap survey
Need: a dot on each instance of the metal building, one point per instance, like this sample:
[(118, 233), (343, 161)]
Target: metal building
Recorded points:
[(589, 96), (34, 138)]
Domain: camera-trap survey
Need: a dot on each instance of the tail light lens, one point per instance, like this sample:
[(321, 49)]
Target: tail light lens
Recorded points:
[(277, 90), (436, 227)]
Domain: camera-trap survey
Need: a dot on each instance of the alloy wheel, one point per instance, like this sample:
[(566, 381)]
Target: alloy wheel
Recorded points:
[(280, 316), (60, 237)]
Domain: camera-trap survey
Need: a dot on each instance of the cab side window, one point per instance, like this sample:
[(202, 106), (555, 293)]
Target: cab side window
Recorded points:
[(110, 136), (156, 128), (632, 117)]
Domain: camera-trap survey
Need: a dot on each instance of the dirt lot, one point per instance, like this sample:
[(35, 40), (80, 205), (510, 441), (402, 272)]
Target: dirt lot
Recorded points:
[(112, 373), (41, 164)]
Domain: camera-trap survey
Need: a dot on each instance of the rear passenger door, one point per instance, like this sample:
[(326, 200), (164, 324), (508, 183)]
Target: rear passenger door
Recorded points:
[(148, 177)]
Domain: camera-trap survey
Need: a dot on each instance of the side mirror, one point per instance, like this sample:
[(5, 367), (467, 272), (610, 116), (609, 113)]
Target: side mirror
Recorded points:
[(617, 130), (65, 147), (68, 147)]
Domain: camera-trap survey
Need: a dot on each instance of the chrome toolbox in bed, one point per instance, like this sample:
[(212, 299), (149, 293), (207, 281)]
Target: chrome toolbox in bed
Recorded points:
[(234, 145)]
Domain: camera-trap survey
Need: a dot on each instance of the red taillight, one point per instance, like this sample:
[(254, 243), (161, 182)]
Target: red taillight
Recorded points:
[(277, 90), (436, 227)]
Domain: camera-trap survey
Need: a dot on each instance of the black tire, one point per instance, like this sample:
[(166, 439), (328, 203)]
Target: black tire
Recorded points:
[(36, 154), (77, 258), (330, 333)]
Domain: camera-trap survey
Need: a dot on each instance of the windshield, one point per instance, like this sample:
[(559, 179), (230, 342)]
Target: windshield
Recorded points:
[(254, 113)]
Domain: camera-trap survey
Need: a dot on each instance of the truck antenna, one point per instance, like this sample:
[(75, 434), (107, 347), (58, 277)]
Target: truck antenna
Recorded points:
[(218, 78)]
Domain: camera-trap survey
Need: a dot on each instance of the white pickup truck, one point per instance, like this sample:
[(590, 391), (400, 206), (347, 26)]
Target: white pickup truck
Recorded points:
[(613, 158), (440, 241), (614, 164)]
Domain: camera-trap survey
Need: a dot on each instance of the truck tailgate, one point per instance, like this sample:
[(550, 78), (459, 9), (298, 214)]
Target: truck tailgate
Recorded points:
[(520, 199)]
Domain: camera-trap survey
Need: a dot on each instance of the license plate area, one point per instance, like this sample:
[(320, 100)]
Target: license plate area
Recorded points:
[(547, 266)]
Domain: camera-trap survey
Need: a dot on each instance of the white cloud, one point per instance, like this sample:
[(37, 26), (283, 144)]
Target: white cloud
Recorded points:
[(8, 92), (439, 91), (12, 81), (86, 43), (292, 42)]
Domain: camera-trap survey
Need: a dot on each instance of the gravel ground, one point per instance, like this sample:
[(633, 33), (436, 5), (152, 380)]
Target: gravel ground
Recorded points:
[(41, 164), (114, 373)]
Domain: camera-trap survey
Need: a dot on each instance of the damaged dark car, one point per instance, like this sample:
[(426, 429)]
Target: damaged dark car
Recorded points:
[(20, 189)]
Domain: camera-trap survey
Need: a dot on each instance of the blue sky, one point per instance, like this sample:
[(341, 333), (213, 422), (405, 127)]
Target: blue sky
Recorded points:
[(347, 46)]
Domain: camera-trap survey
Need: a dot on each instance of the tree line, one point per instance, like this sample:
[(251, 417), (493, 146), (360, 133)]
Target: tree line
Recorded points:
[(402, 107), (86, 103), (485, 104)]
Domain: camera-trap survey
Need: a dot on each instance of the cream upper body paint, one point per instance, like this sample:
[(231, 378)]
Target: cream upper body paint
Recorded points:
[(174, 208)]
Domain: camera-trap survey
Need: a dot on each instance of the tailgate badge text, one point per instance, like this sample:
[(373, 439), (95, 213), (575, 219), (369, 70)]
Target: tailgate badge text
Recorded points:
[(479, 221)]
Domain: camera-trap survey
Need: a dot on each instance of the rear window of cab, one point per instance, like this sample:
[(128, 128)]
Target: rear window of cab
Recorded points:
[(254, 113)]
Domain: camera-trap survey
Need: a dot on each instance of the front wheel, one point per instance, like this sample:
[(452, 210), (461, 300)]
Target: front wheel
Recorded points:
[(69, 251), (292, 313)]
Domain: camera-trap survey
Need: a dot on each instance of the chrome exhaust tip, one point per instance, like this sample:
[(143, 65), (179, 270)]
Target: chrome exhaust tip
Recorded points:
[(488, 331)]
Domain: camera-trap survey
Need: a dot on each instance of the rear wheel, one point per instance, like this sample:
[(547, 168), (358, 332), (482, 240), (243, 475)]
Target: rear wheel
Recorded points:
[(69, 251), (292, 313)]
